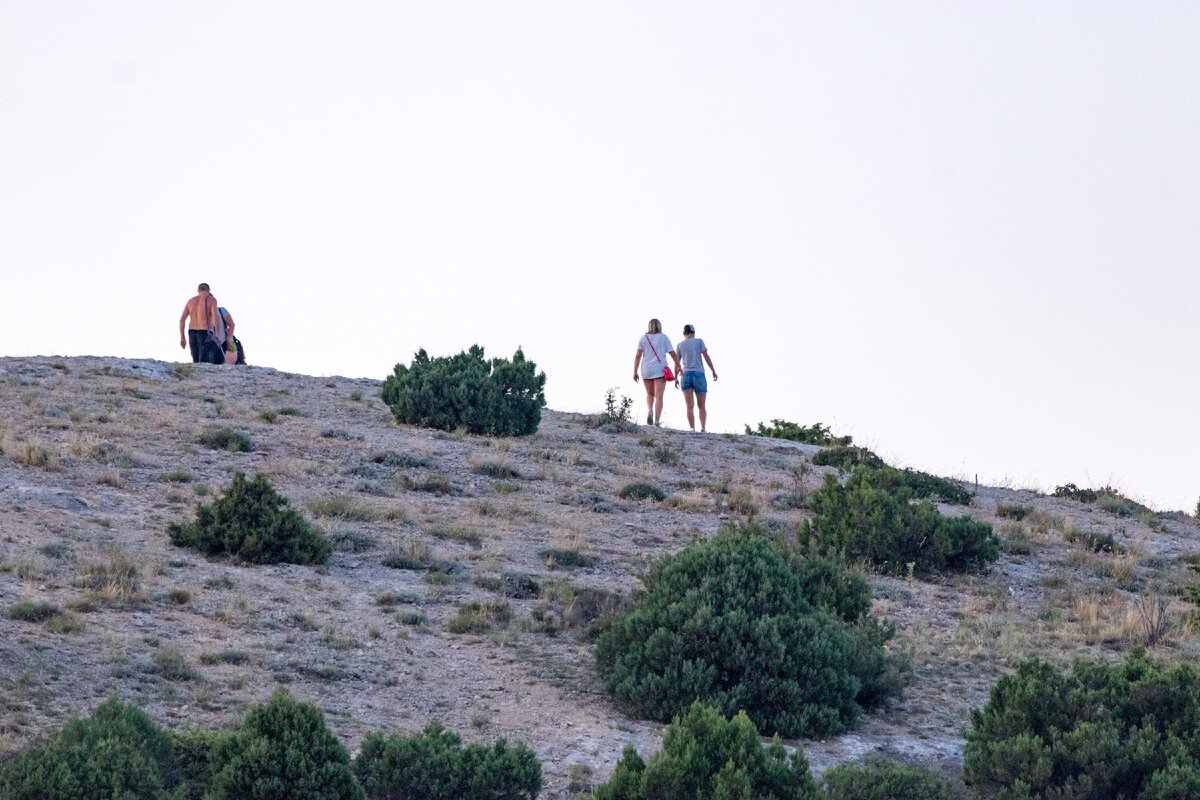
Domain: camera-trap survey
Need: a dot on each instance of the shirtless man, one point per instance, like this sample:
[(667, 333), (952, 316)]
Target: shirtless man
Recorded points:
[(202, 310)]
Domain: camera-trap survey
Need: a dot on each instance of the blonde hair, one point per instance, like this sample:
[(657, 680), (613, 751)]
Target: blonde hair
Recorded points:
[(654, 327)]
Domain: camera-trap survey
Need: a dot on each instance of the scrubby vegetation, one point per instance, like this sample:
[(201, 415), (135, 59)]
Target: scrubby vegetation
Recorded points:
[(1102, 730), (227, 439), (616, 414), (497, 397), (1105, 498), (880, 779), (117, 752), (640, 490), (705, 755), (919, 484), (864, 520), (433, 765), (251, 521), (848, 457), (817, 434), (729, 621), (1096, 541), (282, 751)]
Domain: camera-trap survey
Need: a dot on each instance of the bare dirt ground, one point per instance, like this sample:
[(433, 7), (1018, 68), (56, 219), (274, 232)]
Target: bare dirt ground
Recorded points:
[(100, 455)]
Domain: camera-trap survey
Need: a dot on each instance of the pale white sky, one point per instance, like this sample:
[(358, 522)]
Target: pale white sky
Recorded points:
[(966, 233)]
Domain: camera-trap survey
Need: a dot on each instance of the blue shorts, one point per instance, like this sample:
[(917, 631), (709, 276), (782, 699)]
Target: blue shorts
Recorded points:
[(694, 382)]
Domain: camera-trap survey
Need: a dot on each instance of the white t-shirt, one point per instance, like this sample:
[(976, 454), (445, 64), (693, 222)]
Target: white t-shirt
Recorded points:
[(652, 367)]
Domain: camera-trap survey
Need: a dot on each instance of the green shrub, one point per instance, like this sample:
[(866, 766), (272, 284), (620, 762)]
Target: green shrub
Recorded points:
[(1095, 541), (920, 484), (1106, 498), (641, 491), (29, 611), (1070, 491), (496, 469), (880, 779), (705, 755), (283, 751), (862, 521), (1103, 730), (815, 434), (517, 585), (433, 765), (227, 439), (117, 752), (497, 397), (252, 522), (848, 457), (726, 621), (833, 588), (173, 666)]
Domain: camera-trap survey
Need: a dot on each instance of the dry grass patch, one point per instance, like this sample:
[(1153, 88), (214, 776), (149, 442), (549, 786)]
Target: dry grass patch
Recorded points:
[(27, 569), (1148, 622), (1098, 620), (479, 617), (117, 581), (346, 507), (690, 500), (64, 624), (33, 453), (410, 555), (111, 479), (1043, 525), (1013, 511), (466, 534)]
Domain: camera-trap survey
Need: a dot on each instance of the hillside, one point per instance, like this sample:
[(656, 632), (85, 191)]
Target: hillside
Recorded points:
[(100, 455)]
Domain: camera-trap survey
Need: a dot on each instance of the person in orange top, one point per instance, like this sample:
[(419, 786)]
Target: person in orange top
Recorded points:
[(202, 311)]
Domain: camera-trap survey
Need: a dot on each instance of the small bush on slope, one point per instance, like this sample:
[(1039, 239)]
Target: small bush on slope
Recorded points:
[(704, 755), (252, 521), (1103, 730), (727, 622), (919, 484), (433, 765), (117, 752), (880, 779), (815, 434), (861, 521), (497, 397), (848, 457), (283, 751)]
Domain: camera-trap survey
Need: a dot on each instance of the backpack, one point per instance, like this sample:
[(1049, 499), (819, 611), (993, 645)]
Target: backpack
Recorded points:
[(241, 351)]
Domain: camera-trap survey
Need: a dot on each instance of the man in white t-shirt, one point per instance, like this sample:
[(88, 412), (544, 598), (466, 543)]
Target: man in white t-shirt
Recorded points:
[(695, 387)]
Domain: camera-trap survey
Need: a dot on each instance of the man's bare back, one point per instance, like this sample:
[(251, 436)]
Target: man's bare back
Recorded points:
[(200, 314)]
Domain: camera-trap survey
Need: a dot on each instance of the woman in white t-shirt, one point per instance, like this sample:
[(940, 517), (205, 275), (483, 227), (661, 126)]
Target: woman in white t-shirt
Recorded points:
[(652, 351)]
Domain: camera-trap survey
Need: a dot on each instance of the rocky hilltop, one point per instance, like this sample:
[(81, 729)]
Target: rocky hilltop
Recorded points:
[(101, 455)]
